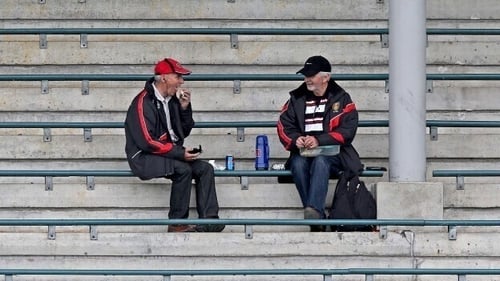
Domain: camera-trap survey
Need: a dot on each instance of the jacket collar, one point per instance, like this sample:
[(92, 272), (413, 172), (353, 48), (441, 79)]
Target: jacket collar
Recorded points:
[(333, 89)]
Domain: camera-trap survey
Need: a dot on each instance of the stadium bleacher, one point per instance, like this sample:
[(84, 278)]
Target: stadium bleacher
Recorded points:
[(50, 74)]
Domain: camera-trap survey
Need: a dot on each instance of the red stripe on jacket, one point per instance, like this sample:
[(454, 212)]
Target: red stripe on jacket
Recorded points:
[(158, 147), (334, 123), (287, 141)]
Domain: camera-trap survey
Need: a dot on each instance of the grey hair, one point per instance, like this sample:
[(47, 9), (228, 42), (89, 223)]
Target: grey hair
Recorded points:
[(158, 78), (324, 73)]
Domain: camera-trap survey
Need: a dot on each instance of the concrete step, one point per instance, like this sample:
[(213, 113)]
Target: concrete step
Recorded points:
[(291, 53), (194, 10), (265, 250), (370, 97), (150, 199), (256, 10), (144, 195), (184, 245), (111, 147)]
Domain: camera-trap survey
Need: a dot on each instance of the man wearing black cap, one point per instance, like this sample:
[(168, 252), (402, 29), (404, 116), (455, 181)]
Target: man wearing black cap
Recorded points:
[(158, 120), (318, 113)]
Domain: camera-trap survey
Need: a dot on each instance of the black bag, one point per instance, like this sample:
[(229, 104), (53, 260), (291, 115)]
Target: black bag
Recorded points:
[(352, 201)]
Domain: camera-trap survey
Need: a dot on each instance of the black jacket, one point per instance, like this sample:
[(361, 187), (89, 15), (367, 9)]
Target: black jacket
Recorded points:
[(340, 123), (149, 147)]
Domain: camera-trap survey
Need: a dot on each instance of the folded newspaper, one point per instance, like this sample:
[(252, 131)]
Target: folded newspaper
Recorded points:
[(320, 150)]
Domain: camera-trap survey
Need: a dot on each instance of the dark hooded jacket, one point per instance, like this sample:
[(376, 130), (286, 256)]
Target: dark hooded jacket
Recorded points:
[(340, 124), (149, 147)]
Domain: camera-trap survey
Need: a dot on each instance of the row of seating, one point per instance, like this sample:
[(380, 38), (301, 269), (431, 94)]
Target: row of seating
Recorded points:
[(327, 274), (433, 125), (283, 176), (382, 224), (459, 174), (236, 78), (240, 77), (242, 174), (242, 31)]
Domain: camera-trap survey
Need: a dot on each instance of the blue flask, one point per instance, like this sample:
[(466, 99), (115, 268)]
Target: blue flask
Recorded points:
[(261, 153)]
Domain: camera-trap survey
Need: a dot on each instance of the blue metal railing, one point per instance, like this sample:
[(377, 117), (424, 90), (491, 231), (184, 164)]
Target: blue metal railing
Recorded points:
[(128, 173), (212, 31), (244, 124), (326, 273), (466, 173), (433, 125), (248, 223), (461, 174), (122, 222), (242, 77), (282, 175), (240, 31)]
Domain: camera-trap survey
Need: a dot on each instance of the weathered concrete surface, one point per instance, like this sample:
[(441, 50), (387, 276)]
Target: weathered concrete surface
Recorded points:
[(409, 200), (232, 250), (255, 9)]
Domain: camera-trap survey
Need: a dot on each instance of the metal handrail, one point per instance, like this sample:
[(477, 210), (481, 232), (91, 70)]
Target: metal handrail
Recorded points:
[(122, 222), (244, 124), (461, 174), (241, 31), (215, 272), (466, 173), (128, 173), (241, 77), (248, 223), (199, 31), (118, 125), (192, 77)]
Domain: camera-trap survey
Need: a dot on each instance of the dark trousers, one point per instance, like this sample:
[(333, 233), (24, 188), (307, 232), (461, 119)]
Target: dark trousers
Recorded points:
[(206, 196)]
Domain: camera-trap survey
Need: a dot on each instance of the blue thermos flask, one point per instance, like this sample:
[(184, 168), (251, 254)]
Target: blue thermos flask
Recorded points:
[(261, 153)]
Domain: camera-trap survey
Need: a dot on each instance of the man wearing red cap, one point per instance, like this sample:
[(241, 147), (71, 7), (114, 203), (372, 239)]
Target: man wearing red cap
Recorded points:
[(158, 120)]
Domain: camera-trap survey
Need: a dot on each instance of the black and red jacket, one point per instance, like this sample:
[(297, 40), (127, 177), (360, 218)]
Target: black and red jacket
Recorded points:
[(149, 148), (340, 123)]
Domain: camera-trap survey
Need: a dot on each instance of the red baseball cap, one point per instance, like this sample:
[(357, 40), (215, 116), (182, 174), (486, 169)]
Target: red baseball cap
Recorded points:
[(169, 65)]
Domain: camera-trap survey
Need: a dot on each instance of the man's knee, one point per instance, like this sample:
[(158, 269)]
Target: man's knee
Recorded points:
[(298, 163), (321, 162), (203, 168), (207, 168), (182, 169)]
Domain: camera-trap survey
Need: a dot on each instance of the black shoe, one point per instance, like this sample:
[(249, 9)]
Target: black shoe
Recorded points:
[(318, 228), (181, 228), (210, 227), (310, 213)]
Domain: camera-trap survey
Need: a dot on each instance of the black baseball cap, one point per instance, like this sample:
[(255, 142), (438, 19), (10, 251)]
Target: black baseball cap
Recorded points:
[(315, 64)]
